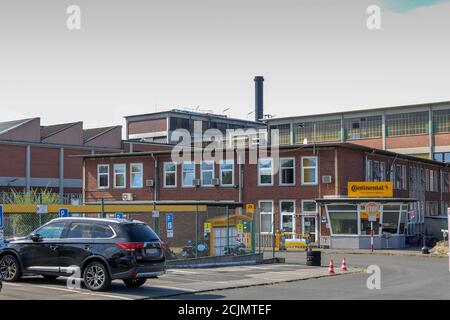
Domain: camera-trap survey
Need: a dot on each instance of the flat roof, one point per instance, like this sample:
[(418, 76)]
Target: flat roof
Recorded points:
[(178, 112), (230, 204), (373, 109)]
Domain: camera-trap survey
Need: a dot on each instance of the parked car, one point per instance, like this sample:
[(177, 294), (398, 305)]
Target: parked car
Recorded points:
[(103, 249)]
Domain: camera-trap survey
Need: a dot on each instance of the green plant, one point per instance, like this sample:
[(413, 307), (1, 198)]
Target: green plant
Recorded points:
[(21, 224)]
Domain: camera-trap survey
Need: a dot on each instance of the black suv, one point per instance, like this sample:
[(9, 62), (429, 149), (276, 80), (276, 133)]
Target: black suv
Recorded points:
[(103, 249)]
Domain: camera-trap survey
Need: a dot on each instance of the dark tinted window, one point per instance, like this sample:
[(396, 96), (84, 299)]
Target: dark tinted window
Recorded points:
[(102, 231), (52, 230), (80, 230), (140, 233)]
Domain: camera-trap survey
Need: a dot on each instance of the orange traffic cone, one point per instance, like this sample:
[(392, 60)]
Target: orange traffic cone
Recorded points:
[(331, 267), (344, 265)]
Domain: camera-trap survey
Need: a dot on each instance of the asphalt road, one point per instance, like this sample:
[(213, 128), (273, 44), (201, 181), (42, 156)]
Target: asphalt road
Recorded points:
[(401, 278)]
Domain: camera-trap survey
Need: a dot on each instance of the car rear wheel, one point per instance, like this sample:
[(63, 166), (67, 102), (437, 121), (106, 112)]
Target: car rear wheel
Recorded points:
[(134, 283), (10, 268), (96, 277), (50, 277)]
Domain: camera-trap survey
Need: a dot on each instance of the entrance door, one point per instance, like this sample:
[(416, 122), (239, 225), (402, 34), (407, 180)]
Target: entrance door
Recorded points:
[(309, 224)]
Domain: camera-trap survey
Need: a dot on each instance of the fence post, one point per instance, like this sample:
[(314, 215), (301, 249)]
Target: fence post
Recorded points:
[(40, 214), (103, 208), (259, 229), (196, 231), (228, 229), (273, 234)]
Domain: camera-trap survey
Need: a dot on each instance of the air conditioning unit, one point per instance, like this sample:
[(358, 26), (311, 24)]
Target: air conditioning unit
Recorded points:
[(216, 181), (196, 182), (327, 179), (127, 197), (150, 183)]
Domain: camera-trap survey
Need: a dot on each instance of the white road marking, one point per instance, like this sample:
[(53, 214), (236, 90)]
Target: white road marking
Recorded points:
[(13, 284), (183, 271), (173, 288), (86, 293)]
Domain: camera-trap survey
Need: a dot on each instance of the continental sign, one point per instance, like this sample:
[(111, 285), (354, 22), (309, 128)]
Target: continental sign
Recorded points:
[(370, 189)]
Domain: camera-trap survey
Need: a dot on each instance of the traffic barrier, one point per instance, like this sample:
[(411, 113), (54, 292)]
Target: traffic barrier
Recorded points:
[(344, 265), (331, 267)]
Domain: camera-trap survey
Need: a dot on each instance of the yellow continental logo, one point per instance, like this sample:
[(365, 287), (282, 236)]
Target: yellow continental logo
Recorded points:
[(370, 189)]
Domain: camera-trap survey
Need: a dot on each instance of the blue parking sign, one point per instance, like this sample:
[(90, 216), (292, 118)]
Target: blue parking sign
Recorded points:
[(1, 216), (119, 215), (63, 213), (169, 225)]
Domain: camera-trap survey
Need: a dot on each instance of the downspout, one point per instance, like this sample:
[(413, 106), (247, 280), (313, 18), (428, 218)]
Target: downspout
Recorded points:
[(336, 172), (156, 187)]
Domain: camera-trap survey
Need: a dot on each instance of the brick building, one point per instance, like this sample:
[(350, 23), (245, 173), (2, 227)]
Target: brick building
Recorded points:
[(36, 156), (308, 194), (422, 130)]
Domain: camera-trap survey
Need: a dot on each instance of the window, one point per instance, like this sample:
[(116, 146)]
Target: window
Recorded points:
[(284, 133), (136, 175), (103, 231), (363, 128), (343, 219), (309, 206), (309, 170), (52, 230), (139, 232), (287, 171), (287, 208), (369, 170), (328, 130), (390, 221), (119, 176), (404, 178), (170, 174), (207, 173), (344, 222), (103, 176), (265, 172), (266, 210), (188, 174), (382, 171), (304, 131), (80, 230), (227, 173), (441, 120), (407, 124)]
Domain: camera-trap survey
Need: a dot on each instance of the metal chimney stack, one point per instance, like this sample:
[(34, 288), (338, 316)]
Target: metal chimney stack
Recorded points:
[(259, 98)]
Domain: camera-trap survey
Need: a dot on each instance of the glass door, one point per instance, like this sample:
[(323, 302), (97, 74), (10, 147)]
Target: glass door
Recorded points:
[(309, 224)]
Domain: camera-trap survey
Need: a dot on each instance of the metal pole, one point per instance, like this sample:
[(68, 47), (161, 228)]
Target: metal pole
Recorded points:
[(259, 230), (228, 229), (103, 208), (273, 233), (371, 235), (40, 214), (196, 231)]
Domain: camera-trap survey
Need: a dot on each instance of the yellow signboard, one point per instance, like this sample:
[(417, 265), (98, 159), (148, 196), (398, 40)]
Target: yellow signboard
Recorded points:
[(370, 189), (207, 227), (240, 228), (250, 208)]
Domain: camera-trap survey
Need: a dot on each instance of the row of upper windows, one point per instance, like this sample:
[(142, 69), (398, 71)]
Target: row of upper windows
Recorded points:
[(418, 177), (207, 176), (402, 124)]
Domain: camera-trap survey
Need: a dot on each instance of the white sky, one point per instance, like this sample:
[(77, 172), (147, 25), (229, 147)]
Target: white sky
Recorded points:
[(140, 56)]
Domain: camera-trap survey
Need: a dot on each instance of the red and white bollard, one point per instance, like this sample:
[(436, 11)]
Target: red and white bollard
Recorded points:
[(344, 265), (331, 267)]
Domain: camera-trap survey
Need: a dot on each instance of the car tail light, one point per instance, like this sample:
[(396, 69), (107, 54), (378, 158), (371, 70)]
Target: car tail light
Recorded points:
[(164, 245), (130, 246)]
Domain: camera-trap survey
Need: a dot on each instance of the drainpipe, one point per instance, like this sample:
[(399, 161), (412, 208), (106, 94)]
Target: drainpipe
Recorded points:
[(155, 189)]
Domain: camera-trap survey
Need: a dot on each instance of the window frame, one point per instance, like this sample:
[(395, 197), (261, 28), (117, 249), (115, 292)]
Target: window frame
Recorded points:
[(211, 162), (316, 171), (165, 172), (183, 171), (272, 216), (293, 214), (271, 173), (116, 165), (287, 168), (141, 165), (103, 174), (221, 170)]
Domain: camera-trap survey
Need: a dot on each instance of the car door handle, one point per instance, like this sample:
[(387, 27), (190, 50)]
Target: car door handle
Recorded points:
[(53, 247)]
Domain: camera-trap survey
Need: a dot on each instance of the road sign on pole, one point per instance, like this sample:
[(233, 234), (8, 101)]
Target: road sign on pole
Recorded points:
[(119, 215), (63, 213), (169, 225)]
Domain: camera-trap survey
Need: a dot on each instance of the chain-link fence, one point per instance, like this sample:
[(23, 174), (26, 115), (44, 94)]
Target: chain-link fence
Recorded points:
[(22, 224)]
